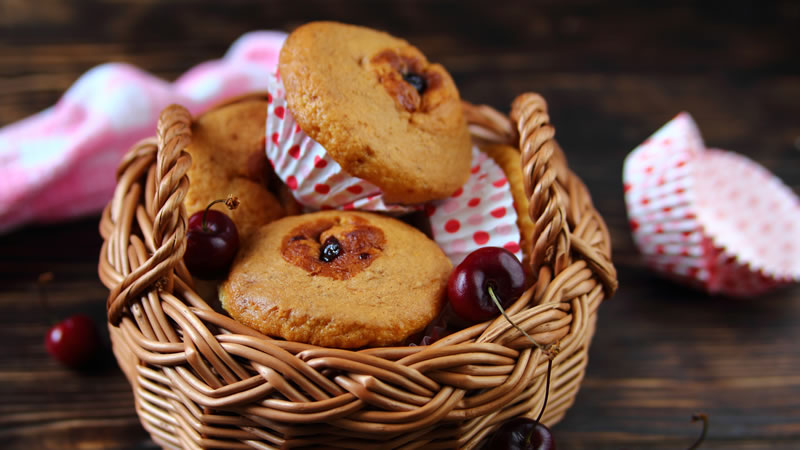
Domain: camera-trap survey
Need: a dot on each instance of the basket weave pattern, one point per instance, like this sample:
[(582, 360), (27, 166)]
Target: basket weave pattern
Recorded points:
[(202, 380)]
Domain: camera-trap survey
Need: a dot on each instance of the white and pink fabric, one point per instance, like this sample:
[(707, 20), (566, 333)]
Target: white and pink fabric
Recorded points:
[(60, 163), (708, 217)]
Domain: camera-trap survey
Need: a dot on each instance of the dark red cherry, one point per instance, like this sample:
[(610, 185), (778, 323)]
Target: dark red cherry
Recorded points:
[(211, 242), (522, 433), (73, 341), (485, 269)]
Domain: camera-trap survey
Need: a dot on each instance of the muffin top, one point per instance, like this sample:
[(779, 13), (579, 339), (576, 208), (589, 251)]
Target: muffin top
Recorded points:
[(228, 158), (379, 108), (337, 279)]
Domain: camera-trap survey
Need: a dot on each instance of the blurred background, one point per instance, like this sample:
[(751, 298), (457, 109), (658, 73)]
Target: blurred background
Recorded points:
[(612, 73)]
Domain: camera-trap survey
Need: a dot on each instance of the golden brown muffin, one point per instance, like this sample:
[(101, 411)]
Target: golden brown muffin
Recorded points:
[(337, 279), (228, 158), (379, 108), (508, 158)]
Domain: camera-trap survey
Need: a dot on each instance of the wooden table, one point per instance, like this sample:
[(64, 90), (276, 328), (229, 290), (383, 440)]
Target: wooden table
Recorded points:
[(612, 75)]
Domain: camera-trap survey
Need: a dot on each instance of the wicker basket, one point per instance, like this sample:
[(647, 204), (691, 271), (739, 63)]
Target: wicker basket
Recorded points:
[(202, 380)]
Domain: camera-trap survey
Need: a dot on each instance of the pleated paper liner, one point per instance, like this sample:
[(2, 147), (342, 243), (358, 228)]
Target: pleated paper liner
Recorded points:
[(753, 219), (479, 214), (313, 177), (711, 218)]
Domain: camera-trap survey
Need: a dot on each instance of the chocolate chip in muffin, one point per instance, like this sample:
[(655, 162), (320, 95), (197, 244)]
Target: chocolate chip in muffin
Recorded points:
[(417, 81), (330, 249)]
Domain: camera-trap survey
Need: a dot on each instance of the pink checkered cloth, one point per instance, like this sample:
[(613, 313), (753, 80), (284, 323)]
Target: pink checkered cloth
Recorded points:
[(60, 163)]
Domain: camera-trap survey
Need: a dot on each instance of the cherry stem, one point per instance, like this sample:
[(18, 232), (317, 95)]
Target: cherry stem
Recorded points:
[(704, 418), (503, 312), (546, 389), (231, 202), (41, 284), (539, 346)]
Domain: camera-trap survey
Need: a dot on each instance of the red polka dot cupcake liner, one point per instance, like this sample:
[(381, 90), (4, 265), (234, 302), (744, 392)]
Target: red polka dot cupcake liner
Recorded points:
[(313, 177), (479, 214), (710, 218)]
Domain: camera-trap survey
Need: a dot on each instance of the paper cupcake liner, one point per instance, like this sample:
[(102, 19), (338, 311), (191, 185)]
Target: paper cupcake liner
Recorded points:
[(313, 177), (751, 216), (711, 218), (479, 214)]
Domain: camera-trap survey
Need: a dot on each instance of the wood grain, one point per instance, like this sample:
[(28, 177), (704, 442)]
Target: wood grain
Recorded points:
[(612, 74)]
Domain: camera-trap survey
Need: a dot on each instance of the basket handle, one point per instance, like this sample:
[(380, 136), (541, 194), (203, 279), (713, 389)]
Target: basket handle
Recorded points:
[(546, 177), (542, 165), (169, 224)]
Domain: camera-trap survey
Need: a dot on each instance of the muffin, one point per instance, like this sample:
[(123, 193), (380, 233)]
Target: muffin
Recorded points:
[(379, 108), (337, 279), (228, 158)]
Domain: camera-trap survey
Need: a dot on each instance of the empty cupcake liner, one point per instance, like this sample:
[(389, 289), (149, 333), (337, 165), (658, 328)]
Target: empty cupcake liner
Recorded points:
[(479, 214), (708, 217), (313, 177)]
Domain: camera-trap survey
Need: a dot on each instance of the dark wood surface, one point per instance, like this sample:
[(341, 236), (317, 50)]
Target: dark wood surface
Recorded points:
[(612, 73)]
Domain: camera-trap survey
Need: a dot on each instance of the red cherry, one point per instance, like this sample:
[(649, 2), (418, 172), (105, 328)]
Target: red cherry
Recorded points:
[(522, 433), (73, 341), (211, 242), (485, 269)]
